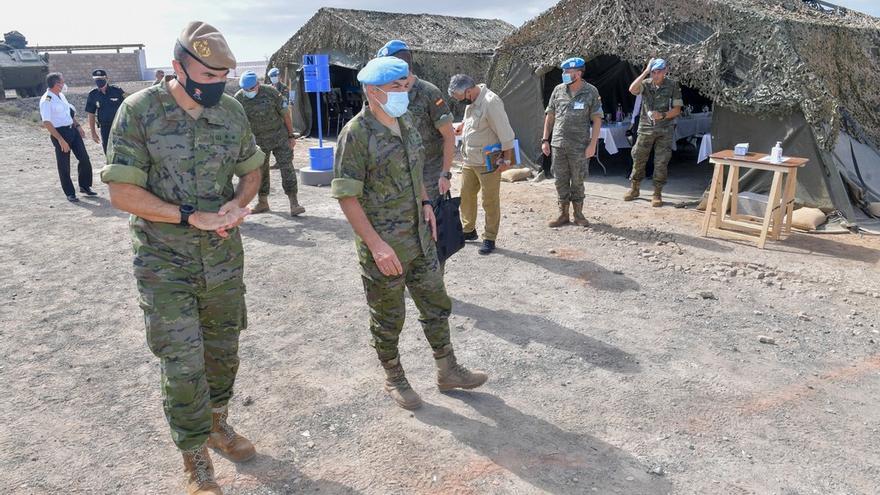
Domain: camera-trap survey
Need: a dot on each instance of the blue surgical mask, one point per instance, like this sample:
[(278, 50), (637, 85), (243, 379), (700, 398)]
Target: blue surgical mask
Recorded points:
[(249, 94), (566, 78), (397, 104), (274, 79)]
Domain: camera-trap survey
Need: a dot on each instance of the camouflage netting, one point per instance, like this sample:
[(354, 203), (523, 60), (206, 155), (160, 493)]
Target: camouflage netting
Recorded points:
[(754, 57), (442, 46)]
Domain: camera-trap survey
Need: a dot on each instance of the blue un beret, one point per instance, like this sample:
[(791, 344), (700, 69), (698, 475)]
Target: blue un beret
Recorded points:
[(248, 79), (659, 64), (391, 48), (573, 63), (383, 70), (274, 71)]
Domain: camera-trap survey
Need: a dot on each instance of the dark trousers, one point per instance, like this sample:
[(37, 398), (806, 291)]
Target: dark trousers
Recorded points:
[(105, 135), (62, 160)]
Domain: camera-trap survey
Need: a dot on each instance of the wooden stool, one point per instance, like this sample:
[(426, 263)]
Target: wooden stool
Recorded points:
[(780, 204)]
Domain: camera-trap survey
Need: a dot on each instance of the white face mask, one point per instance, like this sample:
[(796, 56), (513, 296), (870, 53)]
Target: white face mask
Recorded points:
[(64, 88), (274, 79)]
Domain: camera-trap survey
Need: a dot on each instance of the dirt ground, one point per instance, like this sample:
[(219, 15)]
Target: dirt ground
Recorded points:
[(624, 357)]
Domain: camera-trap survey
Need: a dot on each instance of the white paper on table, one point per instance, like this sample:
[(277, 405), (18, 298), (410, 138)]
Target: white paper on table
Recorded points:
[(766, 159)]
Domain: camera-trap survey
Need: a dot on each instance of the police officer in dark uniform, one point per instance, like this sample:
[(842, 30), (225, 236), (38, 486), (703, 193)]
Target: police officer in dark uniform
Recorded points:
[(103, 101)]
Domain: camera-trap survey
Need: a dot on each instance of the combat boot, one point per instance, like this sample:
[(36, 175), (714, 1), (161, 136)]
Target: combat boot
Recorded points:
[(223, 437), (657, 198), (579, 217), (562, 219), (451, 375), (398, 387), (262, 204), (199, 472), (634, 192), (295, 208)]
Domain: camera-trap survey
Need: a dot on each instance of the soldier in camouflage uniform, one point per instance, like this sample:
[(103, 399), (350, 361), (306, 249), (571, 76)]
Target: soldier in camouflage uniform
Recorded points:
[(173, 150), (433, 119), (574, 106), (661, 104), (275, 81), (378, 182), (273, 131)]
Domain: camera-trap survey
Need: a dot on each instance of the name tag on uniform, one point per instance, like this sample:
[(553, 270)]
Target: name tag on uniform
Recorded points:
[(578, 105)]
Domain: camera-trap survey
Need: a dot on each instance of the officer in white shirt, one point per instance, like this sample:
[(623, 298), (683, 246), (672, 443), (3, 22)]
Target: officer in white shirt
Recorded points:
[(67, 136)]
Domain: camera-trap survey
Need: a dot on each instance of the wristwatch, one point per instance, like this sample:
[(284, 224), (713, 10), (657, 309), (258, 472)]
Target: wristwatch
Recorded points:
[(185, 212), (447, 175), (545, 140), (426, 202)]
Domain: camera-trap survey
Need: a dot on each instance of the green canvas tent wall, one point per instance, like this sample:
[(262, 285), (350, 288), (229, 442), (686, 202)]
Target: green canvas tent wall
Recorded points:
[(441, 45), (804, 73)]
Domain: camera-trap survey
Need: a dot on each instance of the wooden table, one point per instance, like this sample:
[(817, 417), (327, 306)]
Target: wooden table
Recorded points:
[(780, 204)]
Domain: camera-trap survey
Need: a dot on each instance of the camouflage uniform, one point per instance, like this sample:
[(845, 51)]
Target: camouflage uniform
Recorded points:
[(429, 112), (571, 135), (658, 135), (190, 281), (384, 171), (284, 92), (265, 113)]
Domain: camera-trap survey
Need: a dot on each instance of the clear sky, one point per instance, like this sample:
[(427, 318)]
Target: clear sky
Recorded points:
[(254, 28)]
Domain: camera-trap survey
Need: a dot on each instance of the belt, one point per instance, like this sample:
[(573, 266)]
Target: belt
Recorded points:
[(62, 127)]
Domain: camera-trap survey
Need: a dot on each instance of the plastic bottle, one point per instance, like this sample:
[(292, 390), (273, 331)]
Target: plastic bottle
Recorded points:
[(618, 117), (776, 153)]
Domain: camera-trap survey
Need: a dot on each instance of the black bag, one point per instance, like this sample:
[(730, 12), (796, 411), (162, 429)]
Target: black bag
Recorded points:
[(450, 236)]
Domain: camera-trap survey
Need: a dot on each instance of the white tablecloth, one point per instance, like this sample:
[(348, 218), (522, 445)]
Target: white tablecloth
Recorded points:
[(614, 137), (705, 148), (693, 125)]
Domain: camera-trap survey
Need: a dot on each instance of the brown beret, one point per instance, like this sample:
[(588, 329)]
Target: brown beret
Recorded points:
[(204, 43)]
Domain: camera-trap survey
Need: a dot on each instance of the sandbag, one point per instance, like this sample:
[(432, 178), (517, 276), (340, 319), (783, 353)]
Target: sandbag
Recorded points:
[(516, 174), (807, 218)]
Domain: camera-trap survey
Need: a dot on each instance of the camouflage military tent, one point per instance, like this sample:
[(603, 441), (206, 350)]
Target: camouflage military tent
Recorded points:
[(442, 46), (804, 73)]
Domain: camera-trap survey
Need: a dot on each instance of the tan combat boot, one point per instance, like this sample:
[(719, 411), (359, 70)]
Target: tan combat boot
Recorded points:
[(657, 198), (262, 204), (398, 387), (223, 437), (451, 375), (579, 217), (295, 208), (562, 219), (633, 193), (199, 472)]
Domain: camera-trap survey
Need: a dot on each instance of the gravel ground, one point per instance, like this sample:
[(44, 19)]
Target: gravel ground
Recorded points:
[(628, 357)]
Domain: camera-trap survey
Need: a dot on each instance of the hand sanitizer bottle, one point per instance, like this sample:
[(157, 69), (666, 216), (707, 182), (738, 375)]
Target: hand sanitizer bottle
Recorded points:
[(776, 153)]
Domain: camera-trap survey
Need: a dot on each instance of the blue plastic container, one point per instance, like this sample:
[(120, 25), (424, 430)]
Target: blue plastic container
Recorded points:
[(316, 73), (321, 158)]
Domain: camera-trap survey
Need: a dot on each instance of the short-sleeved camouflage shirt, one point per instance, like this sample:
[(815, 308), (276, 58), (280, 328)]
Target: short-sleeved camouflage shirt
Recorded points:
[(285, 93), (429, 112), (265, 112), (384, 171), (574, 115), (156, 145), (659, 99)]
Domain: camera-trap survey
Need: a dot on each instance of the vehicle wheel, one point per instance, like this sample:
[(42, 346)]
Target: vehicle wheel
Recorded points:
[(22, 93), (39, 89)]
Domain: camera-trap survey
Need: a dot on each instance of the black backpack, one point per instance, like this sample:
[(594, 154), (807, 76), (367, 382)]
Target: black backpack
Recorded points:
[(450, 236)]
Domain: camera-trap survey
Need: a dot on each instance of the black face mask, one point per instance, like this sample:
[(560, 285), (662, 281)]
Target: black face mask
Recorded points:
[(100, 83), (206, 95)]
